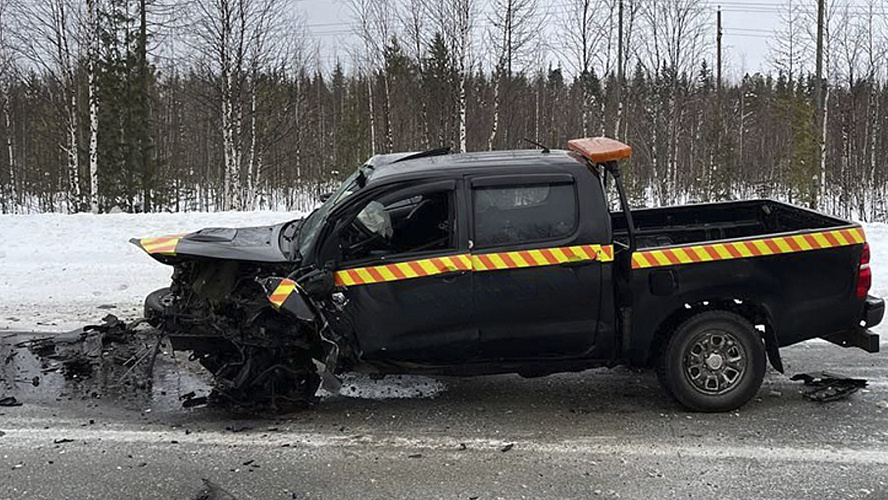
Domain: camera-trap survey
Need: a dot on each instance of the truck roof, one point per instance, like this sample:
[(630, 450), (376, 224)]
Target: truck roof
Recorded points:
[(400, 165)]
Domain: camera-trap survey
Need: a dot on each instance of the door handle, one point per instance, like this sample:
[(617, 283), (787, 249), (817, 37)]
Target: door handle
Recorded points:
[(450, 276)]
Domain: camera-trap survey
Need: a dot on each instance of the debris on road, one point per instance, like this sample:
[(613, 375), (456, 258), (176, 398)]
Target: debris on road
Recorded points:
[(507, 447), (9, 401), (191, 400), (237, 427), (212, 491), (882, 404), (826, 387), (112, 357)]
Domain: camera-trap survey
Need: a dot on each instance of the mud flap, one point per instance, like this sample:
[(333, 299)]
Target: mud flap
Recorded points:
[(772, 348)]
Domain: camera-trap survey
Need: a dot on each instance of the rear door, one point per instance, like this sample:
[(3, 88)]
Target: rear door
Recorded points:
[(406, 275), (536, 286)]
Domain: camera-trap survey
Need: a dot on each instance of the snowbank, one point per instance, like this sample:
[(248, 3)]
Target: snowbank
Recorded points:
[(56, 270)]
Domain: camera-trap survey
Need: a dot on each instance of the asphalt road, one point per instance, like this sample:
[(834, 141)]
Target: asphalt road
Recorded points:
[(596, 434)]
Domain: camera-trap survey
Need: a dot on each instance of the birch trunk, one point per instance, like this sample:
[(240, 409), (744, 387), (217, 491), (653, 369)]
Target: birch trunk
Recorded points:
[(464, 20), (74, 195), (231, 189), (93, 108), (389, 137), (252, 163), (10, 152), (496, 107), (372, 114)]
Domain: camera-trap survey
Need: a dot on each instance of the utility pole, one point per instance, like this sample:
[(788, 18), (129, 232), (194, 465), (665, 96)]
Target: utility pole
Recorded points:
[(718, 43), (619, 69)]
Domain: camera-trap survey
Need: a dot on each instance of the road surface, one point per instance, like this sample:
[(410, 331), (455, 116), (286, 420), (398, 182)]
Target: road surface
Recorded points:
[(596, 434)]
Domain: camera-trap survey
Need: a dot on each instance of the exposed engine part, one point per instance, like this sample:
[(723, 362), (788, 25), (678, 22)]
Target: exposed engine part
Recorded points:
[(220, 312)]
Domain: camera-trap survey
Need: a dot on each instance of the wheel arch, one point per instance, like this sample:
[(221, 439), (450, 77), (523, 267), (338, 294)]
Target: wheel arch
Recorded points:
[(754, 311)]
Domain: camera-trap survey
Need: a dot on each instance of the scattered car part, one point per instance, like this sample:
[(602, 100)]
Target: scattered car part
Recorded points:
[(826, 387)]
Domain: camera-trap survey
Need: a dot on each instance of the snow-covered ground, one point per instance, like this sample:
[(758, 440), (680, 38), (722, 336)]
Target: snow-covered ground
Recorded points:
[(57, 270)]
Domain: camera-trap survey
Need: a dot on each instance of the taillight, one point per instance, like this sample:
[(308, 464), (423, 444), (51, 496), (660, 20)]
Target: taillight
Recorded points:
[(864, 274)]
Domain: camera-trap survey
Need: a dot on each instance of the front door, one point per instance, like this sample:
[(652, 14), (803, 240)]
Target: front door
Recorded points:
[(536, 287), (407, 278)]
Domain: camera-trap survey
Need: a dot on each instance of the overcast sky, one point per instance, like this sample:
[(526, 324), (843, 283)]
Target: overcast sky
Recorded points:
[(747, 25)]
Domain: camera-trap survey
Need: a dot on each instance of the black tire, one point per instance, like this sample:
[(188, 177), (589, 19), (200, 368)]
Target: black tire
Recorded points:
[(155, 304), (715, 361)]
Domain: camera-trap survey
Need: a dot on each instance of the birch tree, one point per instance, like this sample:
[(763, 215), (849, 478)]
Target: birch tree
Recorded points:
[(232, 37), (48, 34), (414, 21), (10, 196), (91, 34), (673, 48), (454, 20), (372, 21), (790, 49), (585, 34), (515, 27)]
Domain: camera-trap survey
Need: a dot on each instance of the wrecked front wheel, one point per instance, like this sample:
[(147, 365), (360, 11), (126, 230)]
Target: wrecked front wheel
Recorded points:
[(715, 361), (279, 379), (156, 305)]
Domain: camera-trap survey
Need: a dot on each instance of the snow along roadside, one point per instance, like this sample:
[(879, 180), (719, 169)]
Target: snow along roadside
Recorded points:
[(56, 270)]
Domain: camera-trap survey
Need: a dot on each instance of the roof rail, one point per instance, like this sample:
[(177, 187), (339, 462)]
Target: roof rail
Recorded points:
[(425, 154), (600, 149)]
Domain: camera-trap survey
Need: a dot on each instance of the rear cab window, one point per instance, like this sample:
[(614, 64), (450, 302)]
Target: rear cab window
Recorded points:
[(514, 214)]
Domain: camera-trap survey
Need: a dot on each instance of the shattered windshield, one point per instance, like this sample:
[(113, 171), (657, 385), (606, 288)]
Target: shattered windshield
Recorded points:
[(309, 231)]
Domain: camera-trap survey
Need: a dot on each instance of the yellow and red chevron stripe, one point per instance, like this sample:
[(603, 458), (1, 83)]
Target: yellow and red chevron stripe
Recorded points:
[(541, 257), (164, 245), (477, 262), (403, 270), (748, 248), (283, 290)]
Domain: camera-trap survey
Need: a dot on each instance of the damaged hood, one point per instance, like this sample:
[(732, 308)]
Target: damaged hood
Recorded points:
[(252, 244)]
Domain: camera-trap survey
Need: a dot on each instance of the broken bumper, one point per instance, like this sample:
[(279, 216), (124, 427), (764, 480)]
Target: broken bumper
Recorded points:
[(861, 336)]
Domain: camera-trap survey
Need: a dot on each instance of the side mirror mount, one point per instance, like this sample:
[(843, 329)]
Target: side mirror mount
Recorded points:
[(325, 196)]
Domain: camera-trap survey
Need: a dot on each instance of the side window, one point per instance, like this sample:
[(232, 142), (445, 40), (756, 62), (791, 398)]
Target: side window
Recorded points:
[(506, 215), (400, 225)]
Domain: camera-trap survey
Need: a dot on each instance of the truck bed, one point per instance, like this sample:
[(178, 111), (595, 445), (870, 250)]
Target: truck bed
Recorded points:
[(691, 224)]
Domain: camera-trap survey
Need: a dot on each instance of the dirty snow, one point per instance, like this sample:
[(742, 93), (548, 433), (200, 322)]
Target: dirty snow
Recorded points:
[(362, 386)]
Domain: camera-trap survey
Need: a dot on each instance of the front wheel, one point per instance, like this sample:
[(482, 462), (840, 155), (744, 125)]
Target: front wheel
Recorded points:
[(715, 361)]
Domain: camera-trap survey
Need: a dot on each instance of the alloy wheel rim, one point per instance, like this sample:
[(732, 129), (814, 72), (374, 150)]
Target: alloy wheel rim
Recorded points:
[(715, 362)]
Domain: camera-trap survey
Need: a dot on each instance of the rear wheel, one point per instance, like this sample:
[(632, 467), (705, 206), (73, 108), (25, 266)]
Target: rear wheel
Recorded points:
[(715, 361)]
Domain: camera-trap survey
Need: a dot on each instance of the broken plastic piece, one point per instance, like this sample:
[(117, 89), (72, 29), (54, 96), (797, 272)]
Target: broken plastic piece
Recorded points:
[(827, 387)]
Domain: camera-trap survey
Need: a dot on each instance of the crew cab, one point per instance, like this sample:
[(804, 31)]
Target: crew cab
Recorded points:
[(527, 262)]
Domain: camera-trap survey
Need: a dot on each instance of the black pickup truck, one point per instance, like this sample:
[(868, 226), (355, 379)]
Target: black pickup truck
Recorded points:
[(513, 262)]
